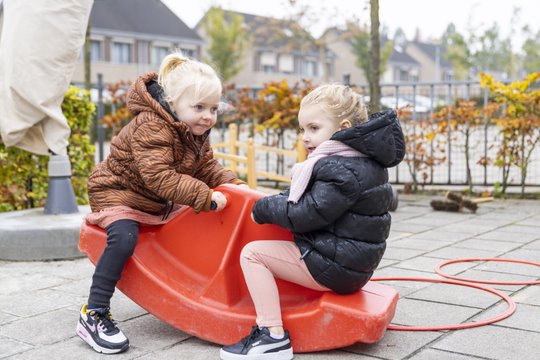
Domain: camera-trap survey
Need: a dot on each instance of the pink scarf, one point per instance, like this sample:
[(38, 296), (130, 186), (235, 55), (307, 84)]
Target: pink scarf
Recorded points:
[(301, 172)]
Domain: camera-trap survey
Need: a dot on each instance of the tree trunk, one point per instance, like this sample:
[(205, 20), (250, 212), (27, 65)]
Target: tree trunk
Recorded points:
[(374, 84), (506, 173)]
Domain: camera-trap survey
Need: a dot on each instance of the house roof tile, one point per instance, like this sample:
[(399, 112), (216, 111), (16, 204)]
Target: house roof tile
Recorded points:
[(140, 16)]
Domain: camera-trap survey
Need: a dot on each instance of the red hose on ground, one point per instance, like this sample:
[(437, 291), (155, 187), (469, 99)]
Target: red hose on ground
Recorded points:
[(440, 272), (509, 311)]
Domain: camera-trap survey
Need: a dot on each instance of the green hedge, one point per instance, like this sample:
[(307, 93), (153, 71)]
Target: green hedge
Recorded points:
[(23, 175)]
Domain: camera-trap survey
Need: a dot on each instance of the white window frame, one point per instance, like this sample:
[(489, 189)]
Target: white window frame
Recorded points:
[(310, 67), (158, 56), (122, 59), (99, 57), (286, 63)]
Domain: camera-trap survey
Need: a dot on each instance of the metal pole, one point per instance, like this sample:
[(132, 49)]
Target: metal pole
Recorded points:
[(449, 135), (432, 91), (414, 124), (486, 123), (100, 114), (397, 167)]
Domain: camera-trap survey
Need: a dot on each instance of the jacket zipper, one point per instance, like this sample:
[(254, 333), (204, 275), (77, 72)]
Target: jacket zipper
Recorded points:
[(197, 152), (306, 253)]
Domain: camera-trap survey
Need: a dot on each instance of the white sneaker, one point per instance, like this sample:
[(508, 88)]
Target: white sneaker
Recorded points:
[(259, 345), (99, 330)]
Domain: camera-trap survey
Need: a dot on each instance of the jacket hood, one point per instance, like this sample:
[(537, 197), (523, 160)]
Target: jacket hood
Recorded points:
[(146, 95), (380, 138)]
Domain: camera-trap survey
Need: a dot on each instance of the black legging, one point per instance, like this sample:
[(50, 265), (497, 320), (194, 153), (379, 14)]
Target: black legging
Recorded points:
[(122, 236)]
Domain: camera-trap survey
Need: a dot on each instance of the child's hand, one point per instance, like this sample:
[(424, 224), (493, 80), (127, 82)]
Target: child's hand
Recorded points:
[(219, 199), (244, 186)]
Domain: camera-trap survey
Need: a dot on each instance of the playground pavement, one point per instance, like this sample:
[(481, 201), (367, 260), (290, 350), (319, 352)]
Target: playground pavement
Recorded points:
[(39, 301)]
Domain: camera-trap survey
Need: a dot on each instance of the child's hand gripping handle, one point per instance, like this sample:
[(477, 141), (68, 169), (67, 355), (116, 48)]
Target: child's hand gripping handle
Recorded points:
[(219, 201)]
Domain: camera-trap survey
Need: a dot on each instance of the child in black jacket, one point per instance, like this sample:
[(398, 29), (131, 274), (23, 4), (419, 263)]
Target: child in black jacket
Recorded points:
[(337, 208)]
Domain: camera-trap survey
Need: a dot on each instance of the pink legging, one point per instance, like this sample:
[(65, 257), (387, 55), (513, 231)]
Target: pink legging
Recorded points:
[(261, 261)]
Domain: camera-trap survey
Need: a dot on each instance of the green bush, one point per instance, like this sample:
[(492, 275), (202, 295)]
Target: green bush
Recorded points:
[(23, 175)]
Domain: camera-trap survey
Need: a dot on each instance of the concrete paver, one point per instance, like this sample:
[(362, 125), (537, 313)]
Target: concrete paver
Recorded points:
[(493, 342), (397, 344), (477, 243), (521, 319), (456, 252), (456, 295), (509, 236), (39, 301), (530, 295), (424, 313), (420, 263), (437, 235), (430, 354)]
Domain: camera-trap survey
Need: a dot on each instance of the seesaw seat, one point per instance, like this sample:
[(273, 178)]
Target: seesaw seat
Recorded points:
[(187, 273)]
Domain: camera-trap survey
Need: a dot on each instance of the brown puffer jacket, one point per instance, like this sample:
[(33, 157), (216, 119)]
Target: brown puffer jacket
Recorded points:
[(155, 160)]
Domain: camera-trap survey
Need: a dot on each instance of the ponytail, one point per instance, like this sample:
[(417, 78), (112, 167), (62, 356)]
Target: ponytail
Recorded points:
[(339, 101), (169, 63), (178, 73)]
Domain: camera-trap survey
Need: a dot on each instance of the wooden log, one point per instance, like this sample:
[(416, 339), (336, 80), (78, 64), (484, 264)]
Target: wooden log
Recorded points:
[(445, 205)]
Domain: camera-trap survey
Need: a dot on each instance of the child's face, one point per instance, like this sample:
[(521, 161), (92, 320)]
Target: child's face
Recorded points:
[(316, 126), (198, 115)]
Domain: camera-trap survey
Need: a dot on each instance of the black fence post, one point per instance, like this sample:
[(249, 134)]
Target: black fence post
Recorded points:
[(100, 113)]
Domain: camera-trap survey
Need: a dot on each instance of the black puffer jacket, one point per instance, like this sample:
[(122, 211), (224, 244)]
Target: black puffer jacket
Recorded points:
[(341, 222)]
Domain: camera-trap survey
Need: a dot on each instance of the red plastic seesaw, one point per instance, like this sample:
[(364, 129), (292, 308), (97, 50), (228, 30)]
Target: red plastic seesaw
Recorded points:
[(187, 273)]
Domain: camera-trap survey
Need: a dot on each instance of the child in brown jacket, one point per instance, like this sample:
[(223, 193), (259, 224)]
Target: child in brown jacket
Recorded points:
[(160, 161)]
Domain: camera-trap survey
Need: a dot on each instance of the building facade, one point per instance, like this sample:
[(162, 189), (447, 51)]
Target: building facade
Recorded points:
[(276, 49), (400, 67), (130, 38), (431, 58)]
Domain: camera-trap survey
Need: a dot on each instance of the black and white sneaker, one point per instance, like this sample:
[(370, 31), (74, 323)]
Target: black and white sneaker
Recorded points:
[(99, 330), (259, 345)]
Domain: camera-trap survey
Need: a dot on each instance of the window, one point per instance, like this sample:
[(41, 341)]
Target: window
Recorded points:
[(330, 69), (268, 62), (298, 65), (188, 52), (448, 75), (121, 53), (403, 75), (414, 75), (95, 51), (158, 54), (286, 63), (310, 68), (143, 56)]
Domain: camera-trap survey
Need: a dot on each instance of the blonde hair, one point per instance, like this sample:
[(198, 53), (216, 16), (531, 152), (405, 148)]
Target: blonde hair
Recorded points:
[(338, 101), (178, 73)]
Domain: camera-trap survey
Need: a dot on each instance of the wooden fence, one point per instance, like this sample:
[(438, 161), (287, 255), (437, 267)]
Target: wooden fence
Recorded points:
[(248, 161)]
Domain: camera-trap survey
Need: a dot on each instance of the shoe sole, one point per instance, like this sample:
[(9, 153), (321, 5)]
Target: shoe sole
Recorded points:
[(87, 338), (280, 355)]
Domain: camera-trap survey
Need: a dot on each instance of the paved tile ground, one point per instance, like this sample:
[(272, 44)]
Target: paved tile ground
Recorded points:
[(39, 301)]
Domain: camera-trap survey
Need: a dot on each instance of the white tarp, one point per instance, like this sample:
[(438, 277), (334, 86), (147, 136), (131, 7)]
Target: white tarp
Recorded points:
[(40, 44)]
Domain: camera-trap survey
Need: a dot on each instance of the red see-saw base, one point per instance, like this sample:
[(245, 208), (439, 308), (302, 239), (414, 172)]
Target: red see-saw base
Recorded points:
[(187, 273)]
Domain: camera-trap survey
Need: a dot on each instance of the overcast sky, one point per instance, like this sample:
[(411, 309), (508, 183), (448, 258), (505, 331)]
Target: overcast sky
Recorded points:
[(430, 16)]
